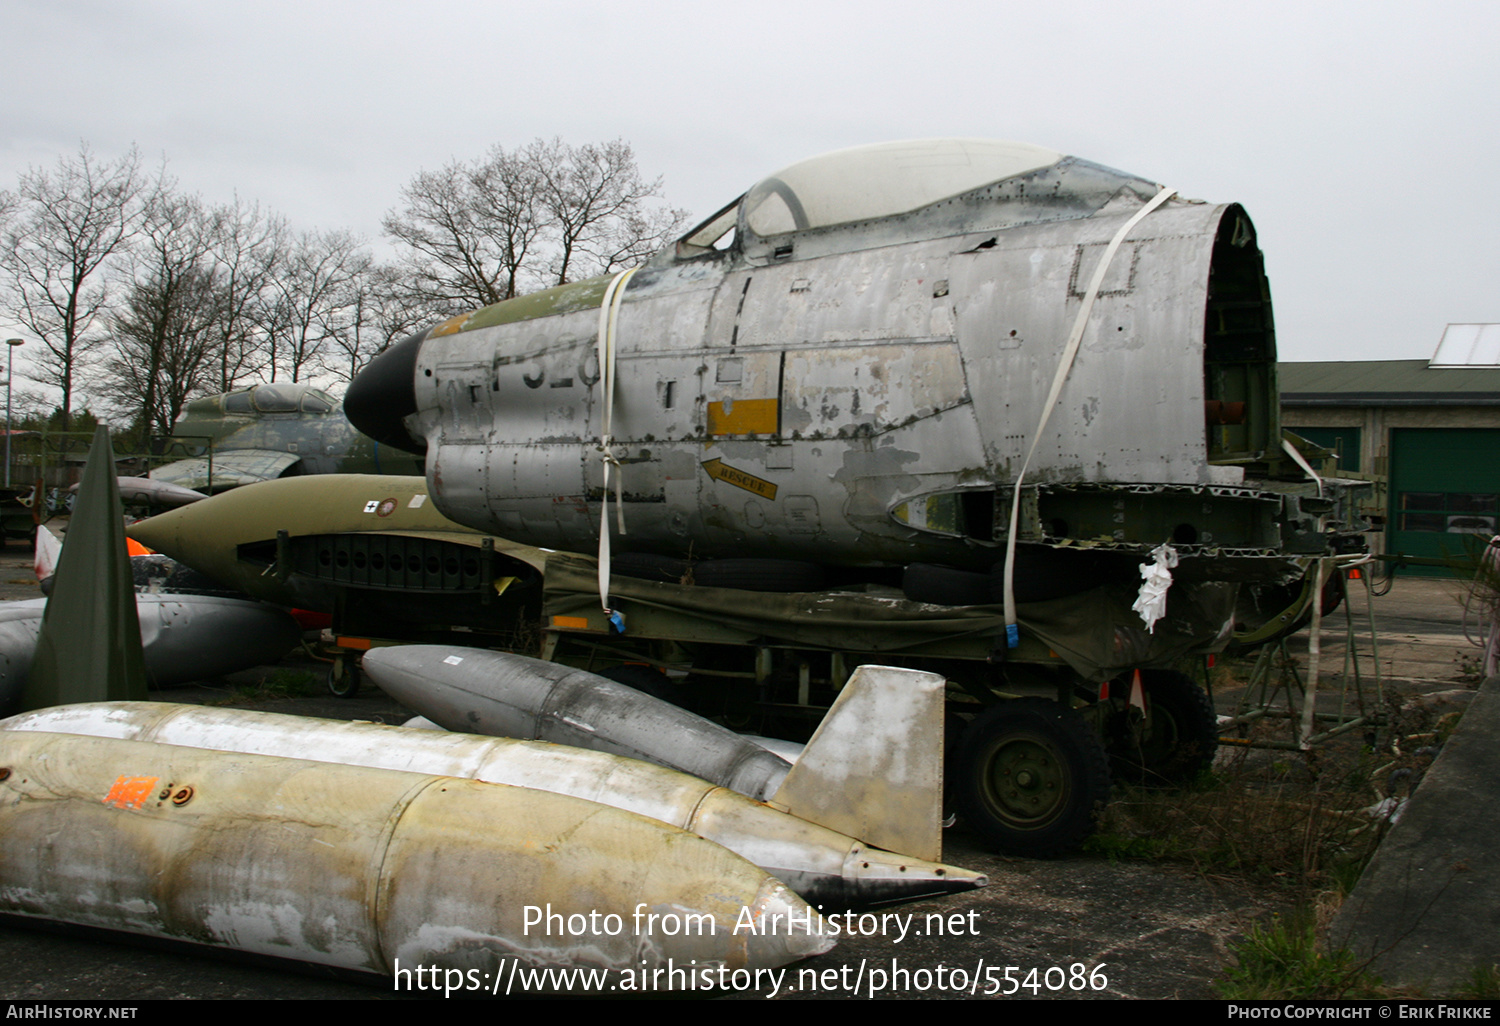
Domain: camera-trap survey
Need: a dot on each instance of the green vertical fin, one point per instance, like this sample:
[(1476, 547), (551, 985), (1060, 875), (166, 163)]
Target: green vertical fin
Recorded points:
[(89, 649)]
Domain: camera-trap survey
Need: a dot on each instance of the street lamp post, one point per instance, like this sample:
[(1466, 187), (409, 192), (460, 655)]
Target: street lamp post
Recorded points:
[(10, 373)]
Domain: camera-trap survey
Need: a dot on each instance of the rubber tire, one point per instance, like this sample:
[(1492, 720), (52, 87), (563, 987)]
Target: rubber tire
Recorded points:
[(944, 586), (772, 575), (344, 677), (647, 566), (1043, 573), (1182, 731), (1054, 745)]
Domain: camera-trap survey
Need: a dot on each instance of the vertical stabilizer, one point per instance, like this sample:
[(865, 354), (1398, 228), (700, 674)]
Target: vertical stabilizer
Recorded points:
[(874, 769), (89, 649)]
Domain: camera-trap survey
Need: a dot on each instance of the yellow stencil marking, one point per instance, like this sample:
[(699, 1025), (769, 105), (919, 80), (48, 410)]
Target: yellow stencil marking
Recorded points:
[(743, 417), (749, 482)]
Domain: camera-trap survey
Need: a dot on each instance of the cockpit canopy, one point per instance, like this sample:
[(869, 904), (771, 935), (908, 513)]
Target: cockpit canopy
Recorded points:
[(266, 398), (868, 182), (851, 199)]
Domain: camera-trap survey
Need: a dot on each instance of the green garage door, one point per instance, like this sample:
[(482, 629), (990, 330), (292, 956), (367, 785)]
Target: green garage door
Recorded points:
[(1445, 490)]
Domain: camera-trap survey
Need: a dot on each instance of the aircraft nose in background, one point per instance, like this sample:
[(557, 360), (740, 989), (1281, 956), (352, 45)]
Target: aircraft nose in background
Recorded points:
[(384, 393)]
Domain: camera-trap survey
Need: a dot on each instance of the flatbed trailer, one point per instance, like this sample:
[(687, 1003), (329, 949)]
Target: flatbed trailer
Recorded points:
[(1036, 733)]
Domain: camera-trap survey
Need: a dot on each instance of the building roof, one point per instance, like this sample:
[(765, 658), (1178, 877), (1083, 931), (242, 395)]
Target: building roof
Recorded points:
[(1387, 383)]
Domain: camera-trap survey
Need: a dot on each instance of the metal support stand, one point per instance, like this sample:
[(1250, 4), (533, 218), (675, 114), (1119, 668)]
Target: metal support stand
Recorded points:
[(1277, 689)]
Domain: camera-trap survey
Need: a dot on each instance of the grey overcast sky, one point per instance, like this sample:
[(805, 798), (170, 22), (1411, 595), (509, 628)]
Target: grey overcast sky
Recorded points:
[(1357, 135)]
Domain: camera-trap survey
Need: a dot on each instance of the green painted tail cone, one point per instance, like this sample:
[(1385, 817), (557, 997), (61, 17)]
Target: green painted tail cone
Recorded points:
[(89, 649)]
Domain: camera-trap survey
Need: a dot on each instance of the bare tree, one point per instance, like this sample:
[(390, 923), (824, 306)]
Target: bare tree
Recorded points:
[(378, 309), (68, 223), (312, 292), (596, 201), (248, 250), (484, 231), (470, 228), (165, 327)]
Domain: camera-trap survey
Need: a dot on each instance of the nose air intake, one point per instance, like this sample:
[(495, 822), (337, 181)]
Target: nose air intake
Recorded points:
[(384, 393)]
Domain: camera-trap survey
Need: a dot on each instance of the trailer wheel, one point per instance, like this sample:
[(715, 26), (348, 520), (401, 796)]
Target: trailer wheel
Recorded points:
[(1031, 775), (343, 676), (1174, 742)]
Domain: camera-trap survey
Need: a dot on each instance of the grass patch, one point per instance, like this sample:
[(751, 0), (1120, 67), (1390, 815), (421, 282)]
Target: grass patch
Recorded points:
[(1283, 961), (1274, 823), (1305, 822), (1302, 818), (279, 684), (1118, 847), (1483, 985)]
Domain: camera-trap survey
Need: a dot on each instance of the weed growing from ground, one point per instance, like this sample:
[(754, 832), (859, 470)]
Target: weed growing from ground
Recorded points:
[(1300, 825), (1306, 822), (1484, 984), (1282, 961), (278, 684)]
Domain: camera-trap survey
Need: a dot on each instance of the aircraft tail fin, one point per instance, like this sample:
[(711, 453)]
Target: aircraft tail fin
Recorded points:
[(874, 768)]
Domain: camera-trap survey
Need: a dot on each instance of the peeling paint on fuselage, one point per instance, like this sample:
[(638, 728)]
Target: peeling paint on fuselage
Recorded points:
[(881, 364)]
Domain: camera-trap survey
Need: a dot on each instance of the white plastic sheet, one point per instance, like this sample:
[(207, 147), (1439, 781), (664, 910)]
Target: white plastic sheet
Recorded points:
[(1151, 603)]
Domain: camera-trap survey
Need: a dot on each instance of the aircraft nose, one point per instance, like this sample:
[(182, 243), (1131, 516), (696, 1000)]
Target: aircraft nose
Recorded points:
[(384, 393)]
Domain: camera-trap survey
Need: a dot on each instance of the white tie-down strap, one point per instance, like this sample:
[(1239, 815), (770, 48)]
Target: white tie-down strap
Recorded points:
[(609, 315), (1151, 602), (1012, 633), (1301, 461)]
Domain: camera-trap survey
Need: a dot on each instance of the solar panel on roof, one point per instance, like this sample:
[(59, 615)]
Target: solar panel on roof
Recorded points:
[(1468, 345)]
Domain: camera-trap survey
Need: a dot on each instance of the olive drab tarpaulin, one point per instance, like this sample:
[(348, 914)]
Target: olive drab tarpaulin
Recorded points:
[(1095, 632), (89, 648)]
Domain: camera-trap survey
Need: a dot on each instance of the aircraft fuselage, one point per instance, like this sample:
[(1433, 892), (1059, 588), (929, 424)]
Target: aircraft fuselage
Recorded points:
[(864, 393)]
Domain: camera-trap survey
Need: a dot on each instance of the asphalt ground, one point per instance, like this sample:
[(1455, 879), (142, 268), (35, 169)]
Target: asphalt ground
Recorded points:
[(1086, 926)]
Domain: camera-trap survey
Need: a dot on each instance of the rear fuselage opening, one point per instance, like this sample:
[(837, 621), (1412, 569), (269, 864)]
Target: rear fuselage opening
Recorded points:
[(1239, 348)]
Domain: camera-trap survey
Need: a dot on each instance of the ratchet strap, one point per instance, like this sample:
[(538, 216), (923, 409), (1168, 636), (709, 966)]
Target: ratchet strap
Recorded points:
[(1012, 631), (609, 314)]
